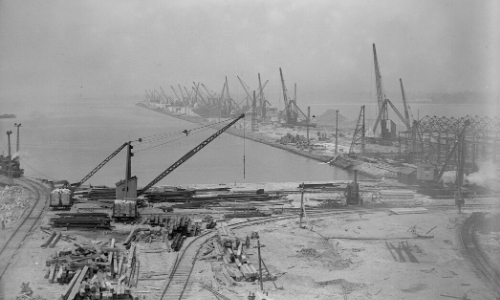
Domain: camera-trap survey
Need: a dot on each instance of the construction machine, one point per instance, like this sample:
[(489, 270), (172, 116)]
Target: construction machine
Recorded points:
[(127, 208), (291, 110), (63, 198)]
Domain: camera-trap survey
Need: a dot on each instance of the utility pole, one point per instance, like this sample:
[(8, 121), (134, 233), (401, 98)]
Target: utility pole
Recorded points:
[(301, 205), (260, 266), (337, 132), (8, 139), (308, 119), (10, 157), (17, 146)]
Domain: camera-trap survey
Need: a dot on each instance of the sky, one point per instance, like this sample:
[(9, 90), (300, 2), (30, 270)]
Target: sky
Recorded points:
[(60, 49)]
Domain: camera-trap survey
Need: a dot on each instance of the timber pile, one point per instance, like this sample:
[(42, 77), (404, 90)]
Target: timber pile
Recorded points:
[(94, 272), (85, 220), (101, 193), (247, 214), (172, 228), (233, 264)]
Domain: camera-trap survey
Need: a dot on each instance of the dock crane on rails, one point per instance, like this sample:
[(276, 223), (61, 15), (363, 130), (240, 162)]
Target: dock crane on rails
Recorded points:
[(58, 200), (189, 155), (292, 110)]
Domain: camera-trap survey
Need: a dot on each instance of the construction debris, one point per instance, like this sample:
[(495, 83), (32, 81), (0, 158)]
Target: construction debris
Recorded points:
[(93, 271)]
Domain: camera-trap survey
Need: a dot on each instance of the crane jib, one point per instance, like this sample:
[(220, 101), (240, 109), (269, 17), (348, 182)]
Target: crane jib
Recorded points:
[(189, 155)]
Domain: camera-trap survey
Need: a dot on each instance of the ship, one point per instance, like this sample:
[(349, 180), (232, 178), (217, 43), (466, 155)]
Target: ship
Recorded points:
[(7, 116)]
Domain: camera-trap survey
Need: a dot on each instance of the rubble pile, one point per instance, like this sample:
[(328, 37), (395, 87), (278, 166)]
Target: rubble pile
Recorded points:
[(94, 271)]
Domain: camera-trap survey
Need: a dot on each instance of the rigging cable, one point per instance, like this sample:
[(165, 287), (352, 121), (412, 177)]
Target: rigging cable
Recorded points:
[(244, 146), (24, 162)]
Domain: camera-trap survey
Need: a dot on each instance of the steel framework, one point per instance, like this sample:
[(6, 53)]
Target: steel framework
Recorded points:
[(431, 138)]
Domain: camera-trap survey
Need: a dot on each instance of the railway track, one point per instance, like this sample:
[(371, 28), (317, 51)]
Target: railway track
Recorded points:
[(29, 219), (478, 258), (178, 281)]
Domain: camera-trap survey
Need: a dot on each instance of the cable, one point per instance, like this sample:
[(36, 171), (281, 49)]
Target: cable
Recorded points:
[(199, 129)]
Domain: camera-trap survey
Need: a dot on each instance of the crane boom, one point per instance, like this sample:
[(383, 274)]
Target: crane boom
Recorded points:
[(407, 115), (405, 121), (189, 155), (285, 99), (99, 166), (175, 93), (164, 95)]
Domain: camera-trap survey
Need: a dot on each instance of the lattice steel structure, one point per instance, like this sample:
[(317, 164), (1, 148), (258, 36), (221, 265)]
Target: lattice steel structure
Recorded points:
[(432, 138)]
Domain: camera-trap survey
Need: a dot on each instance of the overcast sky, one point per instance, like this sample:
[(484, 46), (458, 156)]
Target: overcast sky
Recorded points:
[(63, 48)]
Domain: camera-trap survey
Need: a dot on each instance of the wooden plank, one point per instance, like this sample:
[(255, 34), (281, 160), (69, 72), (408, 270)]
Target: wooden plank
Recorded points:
[(71, 284), (55, 240), (76, 287), (52, 273)]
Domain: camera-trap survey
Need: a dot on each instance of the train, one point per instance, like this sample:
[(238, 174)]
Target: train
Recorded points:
[(12, 166)]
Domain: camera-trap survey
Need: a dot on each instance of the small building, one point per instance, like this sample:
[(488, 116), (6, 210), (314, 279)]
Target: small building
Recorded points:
[(407, 176), (426, 172), (131, 189)]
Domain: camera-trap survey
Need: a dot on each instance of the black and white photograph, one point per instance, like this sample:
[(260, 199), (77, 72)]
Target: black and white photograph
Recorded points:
[(249, 150)]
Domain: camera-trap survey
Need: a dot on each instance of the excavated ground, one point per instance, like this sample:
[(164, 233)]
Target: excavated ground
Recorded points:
[(350, 251)]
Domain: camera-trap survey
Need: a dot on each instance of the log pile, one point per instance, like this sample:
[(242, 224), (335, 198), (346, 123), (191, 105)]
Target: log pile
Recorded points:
[(82, 220), (94, 271)]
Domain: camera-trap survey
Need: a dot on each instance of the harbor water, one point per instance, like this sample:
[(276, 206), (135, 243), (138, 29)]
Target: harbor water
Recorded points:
[(66, 140)]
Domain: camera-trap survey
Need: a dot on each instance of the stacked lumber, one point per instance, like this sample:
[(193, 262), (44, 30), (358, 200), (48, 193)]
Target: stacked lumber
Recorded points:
[(404, 211), (247, 214), (102, 193), (85, 220), (93, 271), (173, 228)]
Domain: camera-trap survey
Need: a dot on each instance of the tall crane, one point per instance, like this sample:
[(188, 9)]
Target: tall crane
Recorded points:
[(176, 94), (382, 110), (290, 118), (188, 155), (407, 115)]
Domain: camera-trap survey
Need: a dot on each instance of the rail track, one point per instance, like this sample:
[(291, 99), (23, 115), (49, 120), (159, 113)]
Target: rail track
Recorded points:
[(29, 219), (478, 258), (178, 281)]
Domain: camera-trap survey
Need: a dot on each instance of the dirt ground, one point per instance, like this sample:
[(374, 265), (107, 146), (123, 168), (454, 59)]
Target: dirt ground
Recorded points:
[(350, 251)]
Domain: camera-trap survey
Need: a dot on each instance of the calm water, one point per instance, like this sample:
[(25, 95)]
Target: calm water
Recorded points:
[(67, 140)]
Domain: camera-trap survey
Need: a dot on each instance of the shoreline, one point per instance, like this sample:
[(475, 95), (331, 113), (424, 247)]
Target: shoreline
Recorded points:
[(248, 135), (349, 165)]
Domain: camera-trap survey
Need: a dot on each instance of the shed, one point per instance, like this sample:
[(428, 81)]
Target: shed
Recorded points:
[(407, 175)]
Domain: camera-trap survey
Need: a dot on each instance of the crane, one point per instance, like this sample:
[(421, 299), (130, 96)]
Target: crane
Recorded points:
[(459, 141), (164, 95), (189, 155), (74, 186), (382, 110), (407, 115), (176, 94), (289, 117)]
